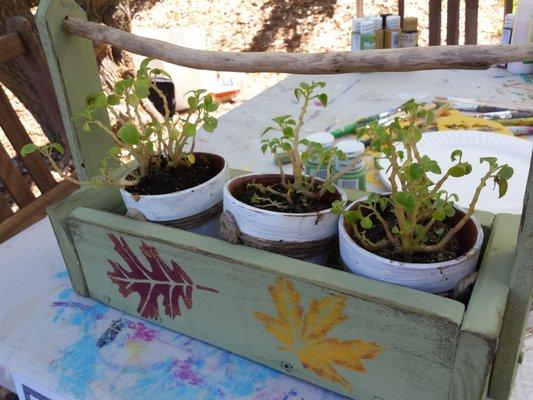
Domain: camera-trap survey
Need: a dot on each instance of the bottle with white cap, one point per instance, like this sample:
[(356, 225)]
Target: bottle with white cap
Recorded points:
[(355, 177), (356, 34), (392, 32), (368, 35), (378, 26), (312, 168)]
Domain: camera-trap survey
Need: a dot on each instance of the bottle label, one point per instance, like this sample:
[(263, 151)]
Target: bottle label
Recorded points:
[(410, 40), (356, 42), (368, 42), (395, 40), (355, 180)]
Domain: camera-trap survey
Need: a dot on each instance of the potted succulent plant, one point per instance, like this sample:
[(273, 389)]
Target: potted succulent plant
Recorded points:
[(287, 214), (415, 236), (170, 184)]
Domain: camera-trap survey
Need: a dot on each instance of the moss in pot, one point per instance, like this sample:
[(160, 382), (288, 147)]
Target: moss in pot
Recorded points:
[(287, 214), (415, 236), (171, 183)]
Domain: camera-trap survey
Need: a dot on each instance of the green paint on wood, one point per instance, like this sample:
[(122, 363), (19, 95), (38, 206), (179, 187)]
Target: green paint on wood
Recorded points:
[(75, 75), (484, 315), (417, 331), (518, 305)]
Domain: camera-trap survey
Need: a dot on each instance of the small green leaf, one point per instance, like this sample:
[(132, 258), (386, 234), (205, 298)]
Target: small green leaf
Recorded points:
[(28, 149), (145, 62), (132, 99), (57, 147), (439, 215), (210, 123), (456, 154), (323, 98), (407, 200), (506, 172), (97, 100), (189, 129), (142, 88), (366, 223), (395, 230), (491, 160), (129, 134), (288, 132), (113, 100), (415, 171), (502, 188)]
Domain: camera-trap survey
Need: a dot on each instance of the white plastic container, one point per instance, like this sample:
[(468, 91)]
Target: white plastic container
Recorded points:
[(522, 33), (277, 227), (325, 139), (437, 277), (165, 208)]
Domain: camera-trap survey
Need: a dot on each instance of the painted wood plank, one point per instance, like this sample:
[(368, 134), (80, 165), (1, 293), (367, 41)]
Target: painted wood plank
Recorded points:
[(518, 304), (14, 181), (483, 318), (18, 137), (435, 22), (471, 21), (416, 332), (75, 75), (452, 28)]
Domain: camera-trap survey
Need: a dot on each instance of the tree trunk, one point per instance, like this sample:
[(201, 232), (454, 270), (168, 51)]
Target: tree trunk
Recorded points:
[(114, 64)]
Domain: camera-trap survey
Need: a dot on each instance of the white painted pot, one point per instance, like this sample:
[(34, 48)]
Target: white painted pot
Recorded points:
[(182, 204), (437, 277), (275, 226)]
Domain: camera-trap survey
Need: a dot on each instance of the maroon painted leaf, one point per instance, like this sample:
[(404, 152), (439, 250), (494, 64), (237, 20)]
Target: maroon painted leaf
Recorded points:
[(159, 280)]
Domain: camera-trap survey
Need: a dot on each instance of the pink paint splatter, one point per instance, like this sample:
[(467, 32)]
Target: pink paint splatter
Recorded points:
[(141, 332), (182, 370)]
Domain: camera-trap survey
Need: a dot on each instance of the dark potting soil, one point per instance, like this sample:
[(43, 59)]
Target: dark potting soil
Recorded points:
[(300, 204), (453, 249), (170, 180)]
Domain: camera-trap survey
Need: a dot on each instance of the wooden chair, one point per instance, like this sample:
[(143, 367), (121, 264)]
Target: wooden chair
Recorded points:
[(452, 29), (22, 44)]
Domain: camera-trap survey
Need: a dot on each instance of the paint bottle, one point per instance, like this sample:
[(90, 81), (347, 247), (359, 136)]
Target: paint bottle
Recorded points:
[(368, 35), (378, 26), (392, 32), (410, 32), (356, 34), (521, 34), (507, 32), (325, 139), (355, 178)]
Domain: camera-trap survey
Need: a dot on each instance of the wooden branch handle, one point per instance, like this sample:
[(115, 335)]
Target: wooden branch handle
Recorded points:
[(410, 59)]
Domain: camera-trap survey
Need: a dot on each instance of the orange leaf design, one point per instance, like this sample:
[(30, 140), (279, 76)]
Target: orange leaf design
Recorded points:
[(305, 335)]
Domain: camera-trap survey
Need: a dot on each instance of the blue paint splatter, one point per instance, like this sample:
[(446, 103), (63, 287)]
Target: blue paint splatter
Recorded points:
[(110, 333), (60, 275)]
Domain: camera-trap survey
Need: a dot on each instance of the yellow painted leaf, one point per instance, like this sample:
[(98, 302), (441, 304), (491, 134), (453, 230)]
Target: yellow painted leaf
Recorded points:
[(322, 316), (287, 302), (277, 327), (322, 356)]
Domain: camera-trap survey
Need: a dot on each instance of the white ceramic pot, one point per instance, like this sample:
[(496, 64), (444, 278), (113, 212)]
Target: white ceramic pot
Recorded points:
[(165, 208), (275, 228), (436, 277)]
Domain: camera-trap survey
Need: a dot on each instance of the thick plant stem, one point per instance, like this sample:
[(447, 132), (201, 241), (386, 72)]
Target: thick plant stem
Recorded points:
[(296, 160)]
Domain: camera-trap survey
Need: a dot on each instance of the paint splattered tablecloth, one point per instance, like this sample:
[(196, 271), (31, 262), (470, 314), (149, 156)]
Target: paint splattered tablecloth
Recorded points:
[(81, 349)]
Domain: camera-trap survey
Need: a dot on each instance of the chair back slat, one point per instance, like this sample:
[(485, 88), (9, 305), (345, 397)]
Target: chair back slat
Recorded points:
[(10, 46), (5, 209), (435, 22), (471, 21), (14, 181), (18, 137), (452, 30)]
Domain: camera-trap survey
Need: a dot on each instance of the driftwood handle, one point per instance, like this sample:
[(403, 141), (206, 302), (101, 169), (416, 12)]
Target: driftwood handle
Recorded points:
[(411, 59)]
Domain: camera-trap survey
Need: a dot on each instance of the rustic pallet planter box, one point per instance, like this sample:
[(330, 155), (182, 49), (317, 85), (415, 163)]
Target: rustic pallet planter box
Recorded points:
[(355, 336)]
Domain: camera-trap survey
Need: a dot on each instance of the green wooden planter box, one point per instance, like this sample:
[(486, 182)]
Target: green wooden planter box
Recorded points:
[(355, 336)]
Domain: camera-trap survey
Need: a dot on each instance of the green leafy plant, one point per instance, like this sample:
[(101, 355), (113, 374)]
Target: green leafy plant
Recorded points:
[(417, 203), (164, 143), (288, 140)]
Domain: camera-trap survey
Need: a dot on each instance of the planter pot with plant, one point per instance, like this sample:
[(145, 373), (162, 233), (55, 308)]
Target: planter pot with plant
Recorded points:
[(287, 214), (170, 183), (415, 236)]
